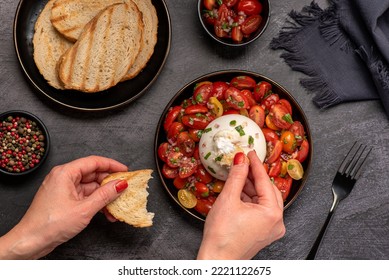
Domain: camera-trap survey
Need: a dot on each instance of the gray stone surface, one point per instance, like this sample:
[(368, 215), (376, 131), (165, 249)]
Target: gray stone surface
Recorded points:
[(359, 229)]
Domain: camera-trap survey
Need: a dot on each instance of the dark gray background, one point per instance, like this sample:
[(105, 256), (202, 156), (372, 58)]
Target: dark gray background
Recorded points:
[(360, 227)]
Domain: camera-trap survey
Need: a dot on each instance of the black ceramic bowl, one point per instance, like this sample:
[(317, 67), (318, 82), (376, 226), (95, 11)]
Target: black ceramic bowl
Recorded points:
[(28, 147), (265, 14), (226, 76)]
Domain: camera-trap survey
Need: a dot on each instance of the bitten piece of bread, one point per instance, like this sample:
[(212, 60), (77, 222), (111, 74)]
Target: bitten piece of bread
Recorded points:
[(131, 206)]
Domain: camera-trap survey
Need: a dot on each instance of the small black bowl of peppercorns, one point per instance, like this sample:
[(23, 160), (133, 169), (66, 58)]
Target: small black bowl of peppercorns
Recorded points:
[(24, 143)]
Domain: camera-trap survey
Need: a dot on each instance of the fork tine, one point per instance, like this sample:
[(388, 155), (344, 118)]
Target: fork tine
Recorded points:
[(355, 175), (353, 163), (345, 163)]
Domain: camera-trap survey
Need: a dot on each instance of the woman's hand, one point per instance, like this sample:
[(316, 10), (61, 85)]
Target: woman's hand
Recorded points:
[(247, 216), (65, 203)]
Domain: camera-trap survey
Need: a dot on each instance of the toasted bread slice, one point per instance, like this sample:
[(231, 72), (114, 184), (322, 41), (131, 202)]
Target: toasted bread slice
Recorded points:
[(105, 50), (49, 45), (150, 21), (69, 17), (131, 205)]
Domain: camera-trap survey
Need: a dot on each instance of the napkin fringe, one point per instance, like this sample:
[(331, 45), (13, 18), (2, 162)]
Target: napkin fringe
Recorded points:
[(328, 22), (325, 96), (376, 65)]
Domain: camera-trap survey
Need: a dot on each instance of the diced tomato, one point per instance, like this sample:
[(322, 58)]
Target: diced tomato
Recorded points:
[(257, 114), (261, 90), (185, 143), (249, 96), (219, 89), (202, 93), (269, 100), (284, 185), (303, 151), (202, 175)]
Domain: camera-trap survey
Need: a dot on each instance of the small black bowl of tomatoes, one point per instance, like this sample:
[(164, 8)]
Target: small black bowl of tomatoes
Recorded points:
[(234, 22), (272, 107)]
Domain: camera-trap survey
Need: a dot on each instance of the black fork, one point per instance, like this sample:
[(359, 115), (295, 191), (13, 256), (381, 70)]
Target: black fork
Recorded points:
[(344, 181)]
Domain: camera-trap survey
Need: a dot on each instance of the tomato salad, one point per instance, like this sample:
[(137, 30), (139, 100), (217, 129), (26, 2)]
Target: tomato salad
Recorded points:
[(235, 19), (286, 143)]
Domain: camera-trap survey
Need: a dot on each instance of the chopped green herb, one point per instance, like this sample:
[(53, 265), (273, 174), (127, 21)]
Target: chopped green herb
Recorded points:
[(199, 98), (287, 118), (207, 155), (207, 129), (233, 123), (220, 2), (239, 128), (199, 133), (212, 170), (219, 158), (199, 115), (251, 140), (241, 104), (290, 167), (298, 137)]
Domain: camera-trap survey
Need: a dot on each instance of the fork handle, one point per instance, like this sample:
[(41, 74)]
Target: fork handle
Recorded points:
[(315, 247)]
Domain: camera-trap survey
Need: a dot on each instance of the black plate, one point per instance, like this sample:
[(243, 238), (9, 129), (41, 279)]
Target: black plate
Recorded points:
[(123, 93), (187, 91)]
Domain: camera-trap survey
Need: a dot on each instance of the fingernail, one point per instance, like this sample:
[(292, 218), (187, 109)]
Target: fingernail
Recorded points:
[(240, 158), (121, 186)]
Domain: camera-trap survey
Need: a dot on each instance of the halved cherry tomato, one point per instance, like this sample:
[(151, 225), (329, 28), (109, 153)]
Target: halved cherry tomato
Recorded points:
[(295, 169), (185, 143), (215, 106), (174, 158), (288, 141), (171, 116), (249, 7), (180, 183), (270, 135), (169, 172), (249, 96), (287, 105), (163, 150), (188, 166), (209, 4), (217, 186), (303, 151), (198, 121), (243, 82), (270, 124), (257, 114), (194, 109), (280, 116), (196, 153), (195, 134), (275, 168), (251, 24), (235, 98), (218, 90), (174, 129), (203, 206), (270, 100), (202, 175), (186, 103), (236, 34), (202, 93), (261, 90), (187, 198), (221, 21), (231, 112), (201, 189), (284, 185), (298, 130), (273, 151)]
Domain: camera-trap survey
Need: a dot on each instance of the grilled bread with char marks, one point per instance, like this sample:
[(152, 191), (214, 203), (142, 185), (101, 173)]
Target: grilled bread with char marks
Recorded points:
[(49, 45), (150, 21), (105, 50), (69, 17)]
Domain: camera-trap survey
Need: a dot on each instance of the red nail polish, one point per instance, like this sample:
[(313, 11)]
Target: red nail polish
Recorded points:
[(239, 158), (121, 186)]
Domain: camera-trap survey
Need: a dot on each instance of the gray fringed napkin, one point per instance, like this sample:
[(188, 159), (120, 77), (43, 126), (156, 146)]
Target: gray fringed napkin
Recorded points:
[(343, 49)]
